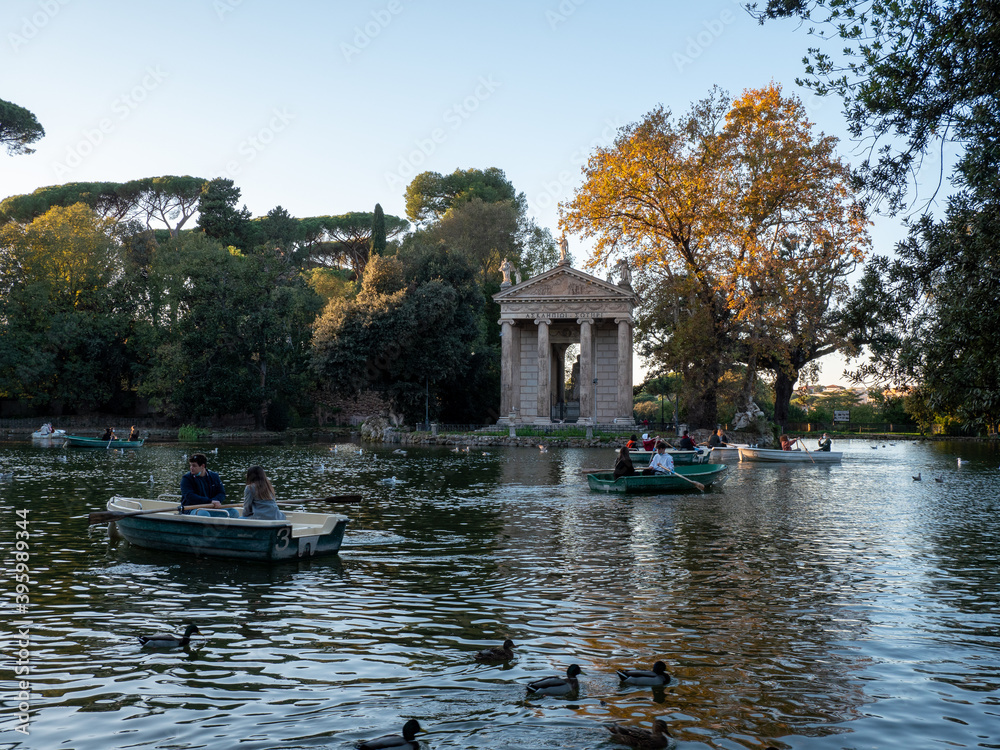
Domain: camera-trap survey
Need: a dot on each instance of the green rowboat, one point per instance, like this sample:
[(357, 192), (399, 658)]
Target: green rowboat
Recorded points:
[(78, 441), (706, 474)]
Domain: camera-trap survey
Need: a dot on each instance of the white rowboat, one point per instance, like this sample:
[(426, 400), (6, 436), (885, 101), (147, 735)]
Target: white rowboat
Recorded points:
[(770, 455)]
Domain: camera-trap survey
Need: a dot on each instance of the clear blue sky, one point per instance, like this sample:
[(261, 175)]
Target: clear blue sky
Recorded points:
[(330, 107)]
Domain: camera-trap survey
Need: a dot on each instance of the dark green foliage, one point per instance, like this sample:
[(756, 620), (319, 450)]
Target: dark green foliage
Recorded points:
[(220, 219), (377, 242), (18, 128), (430, 195), (416, 321)]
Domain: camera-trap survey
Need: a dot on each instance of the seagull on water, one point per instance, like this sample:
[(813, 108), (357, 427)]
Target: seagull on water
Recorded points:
[(917, 477)]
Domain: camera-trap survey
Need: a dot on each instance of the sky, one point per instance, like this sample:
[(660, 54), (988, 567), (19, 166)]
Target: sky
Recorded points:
[(330, 107)]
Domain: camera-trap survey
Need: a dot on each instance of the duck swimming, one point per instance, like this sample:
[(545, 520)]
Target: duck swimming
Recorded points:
[(168, 640), (395, 741), (557, 685), (641, 738), (658, 676), (500, 653)]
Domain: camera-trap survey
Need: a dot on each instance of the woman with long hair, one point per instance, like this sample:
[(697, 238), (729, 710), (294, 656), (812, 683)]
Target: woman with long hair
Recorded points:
[(259, 498)]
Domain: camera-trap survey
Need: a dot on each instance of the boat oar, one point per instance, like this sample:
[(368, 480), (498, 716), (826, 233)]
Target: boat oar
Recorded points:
[(332, 499), (113, 515), (807, 452), (699, 485)]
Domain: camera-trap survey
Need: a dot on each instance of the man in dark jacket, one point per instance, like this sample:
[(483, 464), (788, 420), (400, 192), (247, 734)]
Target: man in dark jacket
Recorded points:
[(201, 486), (686, 443)]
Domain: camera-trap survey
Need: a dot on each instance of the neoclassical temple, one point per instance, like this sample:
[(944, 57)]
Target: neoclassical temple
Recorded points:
[(541, 318)]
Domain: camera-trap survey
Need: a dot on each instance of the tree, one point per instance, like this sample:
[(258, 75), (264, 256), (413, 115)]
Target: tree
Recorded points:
[(65, 314), (218, 216), (347, 238), (430, 195), (415, 326), (734, 210), (18, 128), (377, 243), (915, 76), (912, 75), (232, 330)]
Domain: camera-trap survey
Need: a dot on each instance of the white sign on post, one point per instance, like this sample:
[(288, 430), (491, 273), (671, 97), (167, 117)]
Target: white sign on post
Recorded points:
[(842, 416)]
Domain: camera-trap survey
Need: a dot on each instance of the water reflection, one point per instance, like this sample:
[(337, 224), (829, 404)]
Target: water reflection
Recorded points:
[(806, 606)]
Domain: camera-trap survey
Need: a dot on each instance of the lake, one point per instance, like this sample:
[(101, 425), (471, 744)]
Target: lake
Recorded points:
[(819, 607)]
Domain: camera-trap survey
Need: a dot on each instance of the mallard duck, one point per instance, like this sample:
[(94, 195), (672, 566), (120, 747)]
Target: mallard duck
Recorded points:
[(641, 738), (168, 640), (500, 653), (658, 676), (557, 685), (395, 741)]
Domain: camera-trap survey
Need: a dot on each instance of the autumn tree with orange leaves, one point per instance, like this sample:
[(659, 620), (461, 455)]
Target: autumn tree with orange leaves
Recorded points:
[(742, 228)]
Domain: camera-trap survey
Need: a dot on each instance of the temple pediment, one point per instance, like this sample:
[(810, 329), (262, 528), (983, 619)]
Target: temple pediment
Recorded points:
[(565, 284)]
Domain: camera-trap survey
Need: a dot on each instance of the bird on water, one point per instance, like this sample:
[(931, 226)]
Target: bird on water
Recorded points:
[(169, 640), (499, 653), (557, 685), (657, 676), (639, 737), (405, 741)]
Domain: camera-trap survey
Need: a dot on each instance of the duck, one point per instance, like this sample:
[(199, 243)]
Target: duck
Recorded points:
[(389, 480), (214, 451), (939, 479), (399, 452), (333, 449), (499, 653), (962, 461), (557, 685), (169, 640), (543, 448), (917, 477), (658, 675), (395, 741), (641, 738), (455, 449)]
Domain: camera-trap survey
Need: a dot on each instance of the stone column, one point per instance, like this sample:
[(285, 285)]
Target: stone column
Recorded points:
[(624, 371), (543, 413), (506, 369), (515, 377), (587, 412)]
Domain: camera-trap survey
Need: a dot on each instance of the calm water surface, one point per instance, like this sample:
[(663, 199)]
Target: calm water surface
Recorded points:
[(797, 606)]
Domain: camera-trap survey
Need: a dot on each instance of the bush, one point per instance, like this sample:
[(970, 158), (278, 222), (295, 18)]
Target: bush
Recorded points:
[(279, 416), (190, 433)]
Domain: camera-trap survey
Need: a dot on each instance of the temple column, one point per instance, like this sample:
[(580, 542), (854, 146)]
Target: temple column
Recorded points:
[(506, 369), (586, 384), (624, 371), (543, 412)]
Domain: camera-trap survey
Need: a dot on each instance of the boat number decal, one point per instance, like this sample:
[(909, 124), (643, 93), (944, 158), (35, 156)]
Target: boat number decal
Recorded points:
[(283, 536)]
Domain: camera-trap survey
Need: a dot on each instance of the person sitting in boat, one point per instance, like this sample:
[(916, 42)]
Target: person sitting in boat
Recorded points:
[(133, 434), (109, 434), (825, 444), (686, 443), (648, 443), (632, 444), (662, 462), (203, 487), (717, 441), (786, 443), (623, 464), (258, 497)]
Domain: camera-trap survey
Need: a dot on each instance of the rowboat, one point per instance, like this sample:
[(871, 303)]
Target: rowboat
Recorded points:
[(79, 441), (642, 458), (728, 452), (47, 433), (299, 535), (789, 457), (707, 474)]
